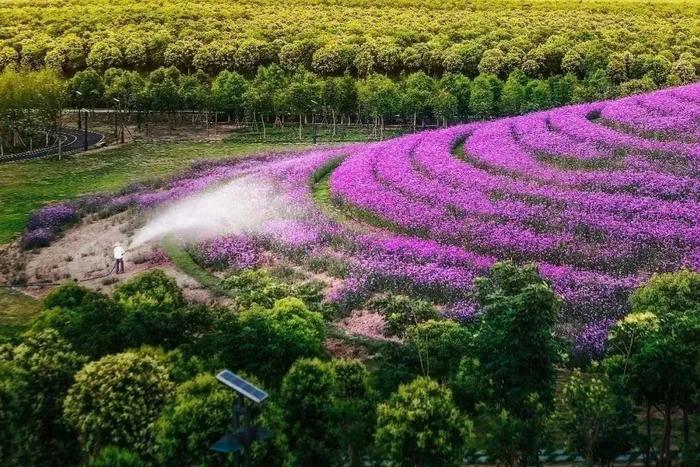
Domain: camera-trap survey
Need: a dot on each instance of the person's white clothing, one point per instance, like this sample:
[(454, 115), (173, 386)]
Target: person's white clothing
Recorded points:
[(118, 252)]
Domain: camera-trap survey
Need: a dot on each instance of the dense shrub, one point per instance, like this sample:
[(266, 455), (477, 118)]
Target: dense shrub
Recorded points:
[(401, 312), (116, 400)]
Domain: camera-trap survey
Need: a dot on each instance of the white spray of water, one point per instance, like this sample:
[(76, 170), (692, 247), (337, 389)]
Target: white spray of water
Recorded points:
[(243, 205)]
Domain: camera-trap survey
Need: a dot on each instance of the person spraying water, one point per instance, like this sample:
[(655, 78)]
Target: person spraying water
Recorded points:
[(119, 258)]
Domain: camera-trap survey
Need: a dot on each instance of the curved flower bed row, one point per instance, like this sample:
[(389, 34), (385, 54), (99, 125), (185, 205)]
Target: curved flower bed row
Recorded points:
[(600, 195)]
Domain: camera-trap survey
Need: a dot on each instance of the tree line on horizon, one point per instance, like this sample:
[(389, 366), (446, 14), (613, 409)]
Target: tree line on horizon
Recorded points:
[(30, 101)]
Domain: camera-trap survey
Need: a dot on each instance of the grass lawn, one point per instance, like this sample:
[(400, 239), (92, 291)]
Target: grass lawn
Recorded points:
[(16, 310), (29, 185)]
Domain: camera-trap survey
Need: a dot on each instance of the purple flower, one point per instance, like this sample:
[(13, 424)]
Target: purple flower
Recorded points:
[(37, 238), (591, 341), (232, 251), (53, 217)]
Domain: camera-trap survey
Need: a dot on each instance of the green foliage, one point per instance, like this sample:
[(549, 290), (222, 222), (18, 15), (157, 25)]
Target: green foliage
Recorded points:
[(355, 408), (259, 287), (420, 425), (654, 350), (90, 321), (308, 402), (116, 400), (516, 348), (401, 311), (200, 414), (49, 363), (266, 341), (116, 457), (15, 410), (515, 342), (154, 307), (149, 292), (255, 286), (597, 423), (440, 346), (669, 296)]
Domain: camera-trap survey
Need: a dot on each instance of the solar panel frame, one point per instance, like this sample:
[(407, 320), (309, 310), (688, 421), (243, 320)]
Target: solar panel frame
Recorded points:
[(242, 386)]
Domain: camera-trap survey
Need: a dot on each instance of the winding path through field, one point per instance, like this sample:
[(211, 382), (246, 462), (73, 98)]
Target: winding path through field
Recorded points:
[(73, 140)]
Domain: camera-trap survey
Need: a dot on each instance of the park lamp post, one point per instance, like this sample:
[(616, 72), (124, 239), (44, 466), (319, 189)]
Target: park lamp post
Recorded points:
[(313, 118), (242, 434), (116, 108), (79, 94), (85, 133)]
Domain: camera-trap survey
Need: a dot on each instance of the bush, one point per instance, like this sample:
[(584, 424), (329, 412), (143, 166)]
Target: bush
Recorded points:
[(116, 400), (38, 238), (255, 286), (401, 312), (440, 346), (200, 414), (51, 364), (116, 457), (90, 321), (151, 292), (268, 341), (420, 425), (154, 307)]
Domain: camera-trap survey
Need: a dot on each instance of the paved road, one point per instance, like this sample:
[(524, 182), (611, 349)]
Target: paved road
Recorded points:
[(73, 140)]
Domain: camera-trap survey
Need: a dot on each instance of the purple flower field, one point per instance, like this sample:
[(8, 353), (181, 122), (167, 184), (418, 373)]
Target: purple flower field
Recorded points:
[(600, 195)]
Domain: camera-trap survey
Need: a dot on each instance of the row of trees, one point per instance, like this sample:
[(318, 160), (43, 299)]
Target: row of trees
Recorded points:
[(72, 390), (275, 96), (541, 37), (30, 102)]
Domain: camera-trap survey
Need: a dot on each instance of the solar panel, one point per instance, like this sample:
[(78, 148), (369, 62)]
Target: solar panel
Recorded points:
[(242, 386)]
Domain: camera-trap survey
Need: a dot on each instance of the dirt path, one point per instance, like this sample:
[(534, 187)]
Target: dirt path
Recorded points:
[(85, 251)]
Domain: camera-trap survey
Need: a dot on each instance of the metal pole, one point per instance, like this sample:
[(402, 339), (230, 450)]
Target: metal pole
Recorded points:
[(85, 138), (80, 121)]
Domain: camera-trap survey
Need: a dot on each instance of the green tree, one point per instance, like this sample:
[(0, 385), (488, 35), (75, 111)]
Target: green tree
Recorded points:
[(379, 97), (260, 96), (308, 402), (116, 457), (513, 94), (597, 423), (401, 312), (516, 346), (116, 400), (420, 426), (15, 412), (105, 54), (89, 321), (417, 95), (200, 414), (296, 54), (445, 106), (493, 62), (355, 408), (339, 95), (86, 89), (333, 58), (227, 92), (537, 96), (268, 341), (459, 86), (302, 94), (152, 302), (657, 347), (440, 346), (483, 99), (50, 364), (597, 86)]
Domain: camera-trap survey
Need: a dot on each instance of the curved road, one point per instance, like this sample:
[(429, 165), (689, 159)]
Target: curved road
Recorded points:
[(73, 140)]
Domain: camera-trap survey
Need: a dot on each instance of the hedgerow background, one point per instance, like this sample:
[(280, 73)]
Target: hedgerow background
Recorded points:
[(543, 37)]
